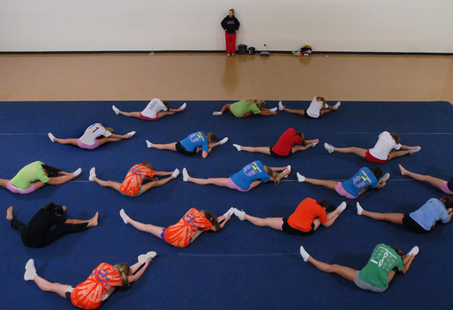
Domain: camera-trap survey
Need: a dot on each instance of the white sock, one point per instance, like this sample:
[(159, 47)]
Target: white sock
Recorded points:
[(359, 208), (175, 173), (77, 172), (124, 216), (92, 174), (314, 144), (304, 254), (223, 141), (183, 106), (144, 257), (131, 133), (185, 175), (148, 144), (217, 113), (273, 109), (30, 270), (280, 106), (51, 137), (229, 213), (237, 146), (300, 177), (116, 110), (342, 206)]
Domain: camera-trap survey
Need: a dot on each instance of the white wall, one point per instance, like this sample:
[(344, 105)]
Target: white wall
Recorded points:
[(284, 25)]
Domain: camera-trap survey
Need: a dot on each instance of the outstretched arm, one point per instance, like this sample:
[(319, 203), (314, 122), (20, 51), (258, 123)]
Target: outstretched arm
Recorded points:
[(139, 273)]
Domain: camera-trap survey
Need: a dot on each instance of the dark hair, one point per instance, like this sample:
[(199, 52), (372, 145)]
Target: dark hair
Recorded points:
[(301, 135), (325, 204), (213, 219), (211, 136), (377, 171), (398, 251), (51, 207), (448, 202), (50, 171), (166, 104), (396, 138)]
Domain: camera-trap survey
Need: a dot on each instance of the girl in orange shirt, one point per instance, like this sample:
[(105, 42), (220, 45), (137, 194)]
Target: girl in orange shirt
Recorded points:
[(186, 230), (102, 282)]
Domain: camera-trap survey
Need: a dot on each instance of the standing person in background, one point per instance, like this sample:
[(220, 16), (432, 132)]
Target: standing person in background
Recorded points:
[(231, 25)]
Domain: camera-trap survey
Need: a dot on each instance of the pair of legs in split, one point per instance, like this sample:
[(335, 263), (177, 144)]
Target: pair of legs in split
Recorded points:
[(439, 183), (100, 141), (145, 187), (267, 150), (160, 114), (264, 111), (63, 178), (172, 146), (363, 152), (303, 112)]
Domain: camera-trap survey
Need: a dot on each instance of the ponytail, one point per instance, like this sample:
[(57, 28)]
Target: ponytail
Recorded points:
[(124, 271), (273, 174), (213, 220)]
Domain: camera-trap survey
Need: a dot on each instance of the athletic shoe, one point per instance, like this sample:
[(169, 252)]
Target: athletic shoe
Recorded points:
[(326, 106), (287, 168), (92, 174), (51, 137), (384, 178), (124, 216), (314, 144), (328, 147), (418, 149), (229, 213), (359, 208), (232, 55), (116, 110), (280, 106), (228, 55), (304, 254), (185, 175), (148, 144), (239, 214), (30, 270), (300, 177), (183, 106), (237, 146), (273, 109), (223, 141), (175, 173), (77, 172), (342, 206), (414, 251), (217, 113), (132, 133), (144, 257), (337, 105)]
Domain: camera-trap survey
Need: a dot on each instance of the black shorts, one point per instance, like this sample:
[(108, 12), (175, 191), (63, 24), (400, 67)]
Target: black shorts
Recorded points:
[(183, 151), (290, 230), (308, 116), (275, 155), (410, 224)]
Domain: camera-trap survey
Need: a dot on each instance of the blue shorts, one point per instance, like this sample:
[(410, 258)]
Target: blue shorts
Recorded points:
[(139, 193)]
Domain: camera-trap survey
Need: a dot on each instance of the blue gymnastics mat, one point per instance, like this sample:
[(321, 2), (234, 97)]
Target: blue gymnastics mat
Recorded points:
[(244, 266)]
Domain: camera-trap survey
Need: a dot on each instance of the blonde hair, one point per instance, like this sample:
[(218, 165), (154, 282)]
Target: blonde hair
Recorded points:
[(318, 98), (260, 103), (124, 271), (110, 129), (146, 164), (272, 174)]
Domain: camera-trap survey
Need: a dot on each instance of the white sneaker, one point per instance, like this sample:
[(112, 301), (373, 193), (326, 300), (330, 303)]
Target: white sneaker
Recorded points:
[(183, 106), (77, 172), (359, 208), (92, 174), (384, 178), (337, 105), (144, 257), (223, 141), (175, 173), (414, 251), (131, 133), (418, 149), (304, 254), (342, 206), (51, 137), (185, 175), (229, 213), (239, 214), (30, 270), (314, 144), (280, 106), (124, 216), (148, 144), (273, 109), (326, 106), (300, 177), (237, 146), (328, 147), (116, 110), (287, 168), (217, 113)]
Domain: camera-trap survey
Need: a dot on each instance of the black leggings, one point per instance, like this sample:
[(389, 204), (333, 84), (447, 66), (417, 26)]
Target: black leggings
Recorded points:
[(30, 240)]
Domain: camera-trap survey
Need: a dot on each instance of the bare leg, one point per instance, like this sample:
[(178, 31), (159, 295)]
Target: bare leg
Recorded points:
[(326, 183), (149, 228), (272, 222), (4, 183), (396, 218), (66, 141), (424, 178), (64, 178), (308, 144), (258, 149), (324, 111), (356, 150), (149, 185), (135, 267), (169, 112), (116, 138), (168, 146), (91, 222), (345, 272), (9, 213), (294, 111), (130, 114), (396, 154), (216, 181), (114, 185), (47, 286), (225, 108), (255, 184)]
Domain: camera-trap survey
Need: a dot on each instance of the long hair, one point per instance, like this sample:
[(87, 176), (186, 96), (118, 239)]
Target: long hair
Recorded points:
[(318, 98), (301, 135), (50, 171), (272, 174), (398, 251), (51, 207), (259, 103), (396, 138), (211, 136), (377, 171), (146, 164), (124, 270), (166, 104), (213, 219)]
